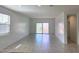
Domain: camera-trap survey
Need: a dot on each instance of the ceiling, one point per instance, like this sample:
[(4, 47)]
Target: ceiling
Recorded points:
[(43, 11)]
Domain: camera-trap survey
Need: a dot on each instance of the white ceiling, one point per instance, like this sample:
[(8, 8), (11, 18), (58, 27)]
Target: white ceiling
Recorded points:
[(43, 11)]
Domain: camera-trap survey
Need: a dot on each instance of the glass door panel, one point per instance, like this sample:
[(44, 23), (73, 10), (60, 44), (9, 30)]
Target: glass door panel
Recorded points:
[(45, 28), (42, 27), (38, 27)]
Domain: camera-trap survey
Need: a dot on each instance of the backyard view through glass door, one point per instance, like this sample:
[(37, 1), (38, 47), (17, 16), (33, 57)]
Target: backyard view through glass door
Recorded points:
[(45, 28), (42, 28)]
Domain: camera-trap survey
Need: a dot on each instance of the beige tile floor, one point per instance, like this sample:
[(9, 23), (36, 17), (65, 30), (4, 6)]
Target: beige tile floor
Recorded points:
[(41, 43)]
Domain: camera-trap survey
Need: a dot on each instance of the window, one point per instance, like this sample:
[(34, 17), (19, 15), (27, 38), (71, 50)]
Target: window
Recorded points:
[(4, 23)]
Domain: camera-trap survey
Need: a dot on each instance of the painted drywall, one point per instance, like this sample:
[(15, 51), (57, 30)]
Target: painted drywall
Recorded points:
[(43, 20), (59, 27), (19, 27)]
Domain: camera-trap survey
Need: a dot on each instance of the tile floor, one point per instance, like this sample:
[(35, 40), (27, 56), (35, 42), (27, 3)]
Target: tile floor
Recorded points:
[(41, 43)]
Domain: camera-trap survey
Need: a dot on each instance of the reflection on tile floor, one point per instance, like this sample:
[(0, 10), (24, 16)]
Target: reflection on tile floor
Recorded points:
[(41, 43)]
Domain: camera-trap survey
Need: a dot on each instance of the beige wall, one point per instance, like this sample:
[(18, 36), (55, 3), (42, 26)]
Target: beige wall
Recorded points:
[(72, 20)]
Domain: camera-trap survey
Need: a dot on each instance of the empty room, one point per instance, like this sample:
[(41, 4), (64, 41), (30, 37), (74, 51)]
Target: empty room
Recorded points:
[(39, 28)]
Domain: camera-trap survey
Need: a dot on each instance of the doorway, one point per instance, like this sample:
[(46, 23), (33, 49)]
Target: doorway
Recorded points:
[(71, 29), (42, 28)]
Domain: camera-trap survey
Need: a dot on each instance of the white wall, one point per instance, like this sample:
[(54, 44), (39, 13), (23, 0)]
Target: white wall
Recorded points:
[(60, 27), (43, 20), (19, 28)]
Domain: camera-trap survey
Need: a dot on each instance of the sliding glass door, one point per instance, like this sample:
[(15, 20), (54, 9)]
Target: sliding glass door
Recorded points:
[(38, 27), (42, 27), (45, 28)]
